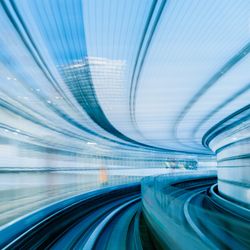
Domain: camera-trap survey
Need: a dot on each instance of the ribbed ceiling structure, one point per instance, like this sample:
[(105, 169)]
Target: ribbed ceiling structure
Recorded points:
[(130, 74)]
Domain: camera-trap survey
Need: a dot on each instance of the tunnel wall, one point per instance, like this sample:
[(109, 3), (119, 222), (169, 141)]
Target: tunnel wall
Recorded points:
[(230, 140)]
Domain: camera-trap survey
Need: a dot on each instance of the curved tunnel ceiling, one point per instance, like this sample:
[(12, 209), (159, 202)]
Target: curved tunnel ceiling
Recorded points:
[(140, 73)]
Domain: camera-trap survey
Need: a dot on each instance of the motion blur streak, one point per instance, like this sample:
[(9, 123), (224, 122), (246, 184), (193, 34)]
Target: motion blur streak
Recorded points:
[(98, 94)]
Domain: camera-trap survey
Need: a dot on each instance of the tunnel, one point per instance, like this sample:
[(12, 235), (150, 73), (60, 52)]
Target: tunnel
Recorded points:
[(124, 124)]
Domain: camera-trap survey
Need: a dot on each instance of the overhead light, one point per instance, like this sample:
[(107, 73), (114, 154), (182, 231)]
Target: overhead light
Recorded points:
[(91, 143)]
